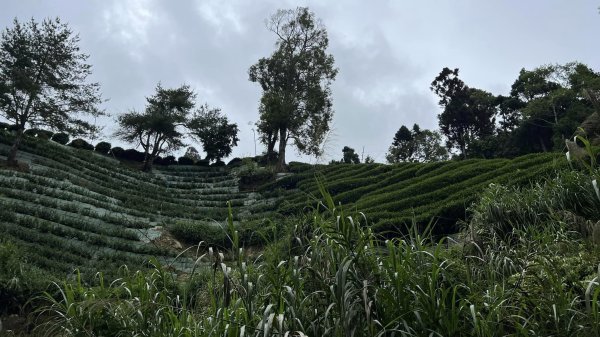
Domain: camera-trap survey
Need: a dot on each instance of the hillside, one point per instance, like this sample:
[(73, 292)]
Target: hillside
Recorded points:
[(75, 208), (394, 195)]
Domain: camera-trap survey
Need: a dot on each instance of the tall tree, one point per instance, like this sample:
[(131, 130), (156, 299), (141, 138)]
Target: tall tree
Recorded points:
[(416, 145), (43, 80), (296, 81), (468, 113), (402, 147), (267, 124), (555, 100), (350, 156), (213, 130), (158, 128)]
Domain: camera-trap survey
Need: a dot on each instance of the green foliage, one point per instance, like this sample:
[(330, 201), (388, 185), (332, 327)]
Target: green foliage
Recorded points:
[(194, 232), (213, 130), (103, 148), (157, 129), (81, 144), (350, 156), (416, 146), (252, 176), (61, 138), (185, 161), (394, 195), (295, 79), (44, 134), (117, 152), (468, 113), (41, 64), (503, 211), (235, 162), (332, 277), (133, 155)]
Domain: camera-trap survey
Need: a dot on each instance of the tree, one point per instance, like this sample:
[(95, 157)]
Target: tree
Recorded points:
[(43, 80), (296, 102), (266, 125), (416, 146), (213, 130), (350, 156), (468, 113), (402, 148), (555, 100), (157, 129), (193, 154)]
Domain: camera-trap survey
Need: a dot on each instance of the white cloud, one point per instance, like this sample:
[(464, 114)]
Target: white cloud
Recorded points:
[(220, 14), (130, 22)]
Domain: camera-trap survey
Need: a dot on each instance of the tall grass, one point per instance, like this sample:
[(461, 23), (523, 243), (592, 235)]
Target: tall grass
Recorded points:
[(332, 276)]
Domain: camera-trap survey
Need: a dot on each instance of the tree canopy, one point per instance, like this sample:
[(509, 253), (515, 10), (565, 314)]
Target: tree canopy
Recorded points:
[(43, 80), (350, 156), (416, 145), (468, 113), (158, 127), (213, 130), (296, 102)]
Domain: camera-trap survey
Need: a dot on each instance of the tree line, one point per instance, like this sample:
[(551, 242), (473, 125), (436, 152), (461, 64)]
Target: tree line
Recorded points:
[(43, 83)]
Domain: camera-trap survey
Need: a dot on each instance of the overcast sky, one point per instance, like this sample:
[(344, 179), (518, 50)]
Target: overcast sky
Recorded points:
[(387, 53)]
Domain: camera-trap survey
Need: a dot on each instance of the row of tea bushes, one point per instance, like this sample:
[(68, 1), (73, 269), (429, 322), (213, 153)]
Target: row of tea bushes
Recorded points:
[(77, 209), (393, 196)]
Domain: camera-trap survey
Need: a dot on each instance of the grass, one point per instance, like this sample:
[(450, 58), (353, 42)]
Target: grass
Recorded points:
[(395, 195), (525, 263), (332, 276)]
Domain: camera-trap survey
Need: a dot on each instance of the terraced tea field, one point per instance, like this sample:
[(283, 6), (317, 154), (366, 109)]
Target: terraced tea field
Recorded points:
[(74, 208), (394, 195), (77, 209)]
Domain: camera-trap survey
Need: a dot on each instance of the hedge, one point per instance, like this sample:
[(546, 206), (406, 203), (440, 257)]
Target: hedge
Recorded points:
[(61, 138), (103, 148), (81, 144)]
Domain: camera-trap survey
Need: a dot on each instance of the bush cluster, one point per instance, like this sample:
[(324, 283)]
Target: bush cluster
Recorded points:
[(81, 144), (61, 138), (103, 148)]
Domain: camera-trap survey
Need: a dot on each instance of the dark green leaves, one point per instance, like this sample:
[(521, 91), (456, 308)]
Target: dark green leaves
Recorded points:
[(213, 130)]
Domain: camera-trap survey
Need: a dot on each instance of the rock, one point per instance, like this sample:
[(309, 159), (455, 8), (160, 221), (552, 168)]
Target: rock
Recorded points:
[(576, 152)]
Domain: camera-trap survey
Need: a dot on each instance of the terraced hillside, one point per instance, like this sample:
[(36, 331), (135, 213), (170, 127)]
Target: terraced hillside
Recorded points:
[(394, 195), (74, 208)]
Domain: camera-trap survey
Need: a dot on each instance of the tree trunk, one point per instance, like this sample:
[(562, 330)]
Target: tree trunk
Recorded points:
[(12, 154), (148, 164), (281, 166), (272, 139), (542, 144), (463, 150)]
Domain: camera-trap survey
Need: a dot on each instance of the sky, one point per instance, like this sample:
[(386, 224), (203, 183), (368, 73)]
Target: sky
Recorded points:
[(387, 53)]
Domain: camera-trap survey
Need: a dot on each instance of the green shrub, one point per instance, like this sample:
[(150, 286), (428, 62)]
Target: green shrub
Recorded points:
[(185, 161), (235, 162), (30, 132), (44, 134), (203, 162), (61, 138), (133, 155), (81, 144), (503, 210), (193, 232), (103, 148), (117, 152), (297, 167), (255, 177)]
